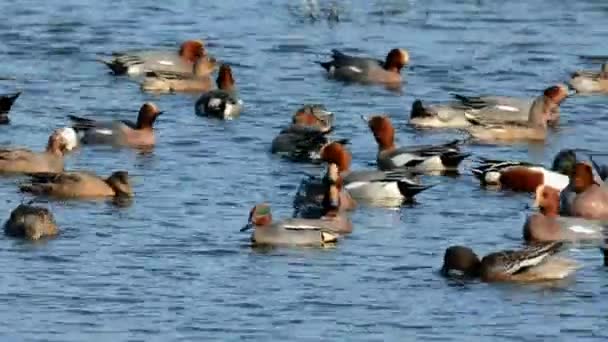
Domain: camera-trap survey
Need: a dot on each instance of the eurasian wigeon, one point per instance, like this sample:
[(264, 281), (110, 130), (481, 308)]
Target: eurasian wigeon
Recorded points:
[(300, 231), (308, 132), (6, 103), (523, 176), (491, 109), (221, 103), (197, 81), (591, 199), (31, 222), (20, 160), (139, 62), (422, 158), (535, 129), (371, 186), (531, 264), (546, 225), (367, 70), (587, 81), (79, 185), (120, 133)]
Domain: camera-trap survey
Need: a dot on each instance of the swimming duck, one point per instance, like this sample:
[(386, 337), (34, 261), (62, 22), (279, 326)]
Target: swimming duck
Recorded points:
[(139, 62), (423, 158), (120, 133), (587, 81), (31, 222), (166, 81), (589, 198), (373, 186), (491, 109), (531, 264), (222, 103), (308, 132), (6, 102), (299, 231), (79, 185), (533, 130), (20, 160), (523, 176), (367, 70), (546, 225)]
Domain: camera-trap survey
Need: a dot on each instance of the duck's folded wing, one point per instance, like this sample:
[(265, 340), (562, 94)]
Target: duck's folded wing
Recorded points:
[(6, 101), (14, 154), (341, 59), (53, 177), (512, 262)]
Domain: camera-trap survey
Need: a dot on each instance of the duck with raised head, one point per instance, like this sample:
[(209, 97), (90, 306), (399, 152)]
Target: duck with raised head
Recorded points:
[(21, 160), (491, 109), (590, 81), (530, 264), (302, 231), (120, 133), (546, 225), (6, 103), (223, 102), (586, 196), (309, 130), (421, 158), (168, 81), (371, 186), (366, 70), (79, 185), (137, 63), (31, 223)]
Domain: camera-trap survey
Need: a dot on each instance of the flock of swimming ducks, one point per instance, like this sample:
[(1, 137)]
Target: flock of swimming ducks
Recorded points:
[(571, 196)]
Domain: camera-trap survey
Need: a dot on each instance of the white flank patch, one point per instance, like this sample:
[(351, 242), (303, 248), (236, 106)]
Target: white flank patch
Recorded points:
[(582, 230), (554, 179), (215, 102), (165, 62), (492, 177), (228, 110), (507, 108), (355, 69), (104, 131), (300, 227), (355, 185), (404, 158)]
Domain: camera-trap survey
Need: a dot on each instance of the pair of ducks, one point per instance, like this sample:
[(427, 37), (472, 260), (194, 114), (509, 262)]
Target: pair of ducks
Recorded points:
[(185, 70), (495, 118)]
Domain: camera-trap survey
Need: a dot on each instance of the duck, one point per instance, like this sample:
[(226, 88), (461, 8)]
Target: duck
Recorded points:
[(524, 176), (371, 186), (534, 130), (588, 197), (6, 103), (422, 158), (366, 70), (546, 225), (300, 231), (21, 160), (494, 109), (78, 184), (302, 140), (170, 82), (126, 133), (588, 81), (222, 103), (139, 62), (533, 263), (31, 223), (70, 136)]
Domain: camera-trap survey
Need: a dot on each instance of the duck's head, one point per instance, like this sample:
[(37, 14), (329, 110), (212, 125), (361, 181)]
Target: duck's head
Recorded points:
[(547, 200), (336, 153), (564, 162), (225, 80), (460, 259), (314, 116), (147, 115), (192, 50), (120, 183), (583, 177), (383, 131), (396, 59), (260, 215)]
